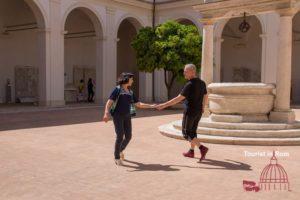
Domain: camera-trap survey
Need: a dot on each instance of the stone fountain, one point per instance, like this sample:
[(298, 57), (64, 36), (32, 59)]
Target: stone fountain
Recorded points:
[(240, 114)]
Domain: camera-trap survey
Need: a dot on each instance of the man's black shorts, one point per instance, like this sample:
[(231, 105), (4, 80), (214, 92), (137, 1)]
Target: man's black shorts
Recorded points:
[(190, 125)]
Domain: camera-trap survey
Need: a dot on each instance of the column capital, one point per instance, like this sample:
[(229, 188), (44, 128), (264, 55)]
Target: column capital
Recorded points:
[(64, 32), (109, 38), (208, 22), (219, 39), (55, 1), (263, 36), (99, 38), (43, 30), (110, 10), (287, 12)]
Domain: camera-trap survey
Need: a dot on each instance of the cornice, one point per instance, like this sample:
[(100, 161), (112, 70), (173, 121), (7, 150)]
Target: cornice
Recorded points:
[(236, 8)]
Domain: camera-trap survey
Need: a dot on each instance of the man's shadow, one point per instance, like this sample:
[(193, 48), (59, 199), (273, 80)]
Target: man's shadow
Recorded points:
[(220, 165), (223, 165)]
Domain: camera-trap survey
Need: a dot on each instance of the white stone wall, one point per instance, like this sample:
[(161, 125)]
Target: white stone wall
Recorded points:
[(25, 47)]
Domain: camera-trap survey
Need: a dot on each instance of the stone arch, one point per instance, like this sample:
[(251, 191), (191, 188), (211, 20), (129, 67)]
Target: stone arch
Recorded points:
[(87, 47), (127, 28), (134, 20), (221, 24), (182, 17), (24, 38), (39, 13), (90, 12), (247, 67)]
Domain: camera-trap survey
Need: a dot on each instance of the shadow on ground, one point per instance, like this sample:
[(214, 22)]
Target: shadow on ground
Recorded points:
[(220, 165), (15, 121), (137, 166), (225, 165)]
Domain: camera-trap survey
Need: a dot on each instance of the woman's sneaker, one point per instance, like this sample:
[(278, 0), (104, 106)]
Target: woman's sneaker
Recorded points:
[(118, 162), (122, 156)]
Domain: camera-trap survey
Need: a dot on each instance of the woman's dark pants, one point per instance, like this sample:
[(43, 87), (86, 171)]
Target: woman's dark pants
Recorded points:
[(123, 131)]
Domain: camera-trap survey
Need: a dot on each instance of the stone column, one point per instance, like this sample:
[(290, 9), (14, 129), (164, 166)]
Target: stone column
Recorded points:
[(56, 54), (44, 67), (264, 38), (282, 111), (217, 53), (207, 57), (145, 86), (207, 53), (109, 73), (270, 46), (99, 70)]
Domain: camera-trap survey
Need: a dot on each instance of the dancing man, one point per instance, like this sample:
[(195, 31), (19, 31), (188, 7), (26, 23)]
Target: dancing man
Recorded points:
[(195, 98)]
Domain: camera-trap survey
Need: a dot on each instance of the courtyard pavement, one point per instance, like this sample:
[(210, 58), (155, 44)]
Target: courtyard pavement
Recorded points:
[(68, 155)]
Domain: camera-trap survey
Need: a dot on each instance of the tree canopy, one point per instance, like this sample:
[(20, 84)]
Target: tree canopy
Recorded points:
[(168, 46)]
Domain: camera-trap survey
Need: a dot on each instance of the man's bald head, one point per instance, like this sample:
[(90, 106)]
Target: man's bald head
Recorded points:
[(190, 71), (191, 67)]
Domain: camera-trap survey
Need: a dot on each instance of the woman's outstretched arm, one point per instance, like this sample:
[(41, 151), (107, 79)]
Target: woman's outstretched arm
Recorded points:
[(144, 105)]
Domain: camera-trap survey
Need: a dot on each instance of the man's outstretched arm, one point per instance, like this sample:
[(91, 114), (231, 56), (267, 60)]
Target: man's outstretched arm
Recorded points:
[(205, 102), (172, 102)]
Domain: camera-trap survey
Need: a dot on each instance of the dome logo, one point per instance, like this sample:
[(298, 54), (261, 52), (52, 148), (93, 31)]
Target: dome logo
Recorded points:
[(272, 177)]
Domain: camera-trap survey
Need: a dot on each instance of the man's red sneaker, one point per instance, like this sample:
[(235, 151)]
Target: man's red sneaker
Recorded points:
[(203, 151), (189, 154)]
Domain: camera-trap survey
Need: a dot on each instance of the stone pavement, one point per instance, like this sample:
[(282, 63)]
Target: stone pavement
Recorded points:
[(68, 155)]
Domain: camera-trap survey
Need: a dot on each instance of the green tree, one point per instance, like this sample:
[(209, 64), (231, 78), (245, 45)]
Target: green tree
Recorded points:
[(168, 46)]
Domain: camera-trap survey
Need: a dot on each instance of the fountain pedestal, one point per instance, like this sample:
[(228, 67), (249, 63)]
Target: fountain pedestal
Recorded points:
[(242, 113)]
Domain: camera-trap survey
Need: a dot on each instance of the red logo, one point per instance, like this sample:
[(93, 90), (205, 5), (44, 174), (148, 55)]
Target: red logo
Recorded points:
[(272, 177)]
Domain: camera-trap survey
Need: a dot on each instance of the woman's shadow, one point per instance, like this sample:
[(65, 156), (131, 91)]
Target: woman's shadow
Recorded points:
[(137, 166), (220, 165)]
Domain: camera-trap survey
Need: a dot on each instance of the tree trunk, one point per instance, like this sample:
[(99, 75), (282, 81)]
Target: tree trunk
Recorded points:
[(168, 83)]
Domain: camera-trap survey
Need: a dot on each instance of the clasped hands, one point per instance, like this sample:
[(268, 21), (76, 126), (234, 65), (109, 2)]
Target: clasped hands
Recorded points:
[(159, 106), (153, 106)]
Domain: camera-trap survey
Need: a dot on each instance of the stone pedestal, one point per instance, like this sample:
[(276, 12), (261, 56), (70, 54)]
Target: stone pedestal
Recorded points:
[(239, 118), (282, 116)]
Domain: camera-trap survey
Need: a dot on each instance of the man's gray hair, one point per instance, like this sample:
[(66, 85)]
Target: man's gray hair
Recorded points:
[(191, 67)]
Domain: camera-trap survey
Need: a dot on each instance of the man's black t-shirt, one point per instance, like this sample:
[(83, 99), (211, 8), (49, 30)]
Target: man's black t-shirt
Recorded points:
[(194, 91)]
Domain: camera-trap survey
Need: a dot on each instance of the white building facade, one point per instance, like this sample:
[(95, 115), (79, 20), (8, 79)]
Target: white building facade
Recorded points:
[(47, 46)]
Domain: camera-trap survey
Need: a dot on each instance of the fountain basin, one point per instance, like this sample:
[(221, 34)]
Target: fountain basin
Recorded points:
[(240, 102)]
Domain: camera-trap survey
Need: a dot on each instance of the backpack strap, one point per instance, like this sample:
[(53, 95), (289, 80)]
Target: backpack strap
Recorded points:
[(114, 105), (132, 106)]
